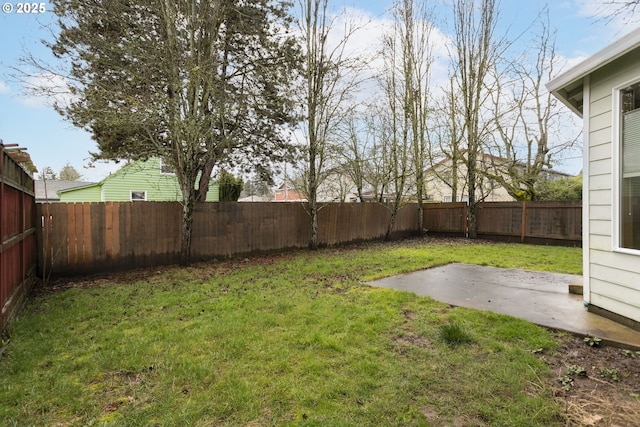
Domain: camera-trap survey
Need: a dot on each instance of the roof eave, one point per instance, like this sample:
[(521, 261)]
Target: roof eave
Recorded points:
[(563, 96), (605, 56), (80, 187)]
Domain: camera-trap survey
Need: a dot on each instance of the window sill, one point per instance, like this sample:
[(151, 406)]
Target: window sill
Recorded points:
[(627, 251)]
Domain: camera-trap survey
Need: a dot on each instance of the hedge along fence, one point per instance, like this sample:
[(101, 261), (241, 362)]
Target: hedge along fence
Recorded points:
[(83, 238), (17, 236)]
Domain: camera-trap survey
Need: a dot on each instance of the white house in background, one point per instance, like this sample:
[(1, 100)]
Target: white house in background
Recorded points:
[(438, 179), (335, 187), (605, 91)]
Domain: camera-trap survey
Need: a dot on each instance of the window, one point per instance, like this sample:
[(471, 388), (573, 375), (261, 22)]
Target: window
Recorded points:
[(630, 167), (138, 195)]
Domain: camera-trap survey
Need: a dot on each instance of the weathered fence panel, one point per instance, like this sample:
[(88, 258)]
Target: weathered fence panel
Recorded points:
[(524, 222), (80, 238), (531, 222), (448, 218), (17, 236)]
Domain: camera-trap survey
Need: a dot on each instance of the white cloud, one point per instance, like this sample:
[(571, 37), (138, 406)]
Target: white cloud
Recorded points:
[(614, 18), (46, 90), (598, 9), (367, 42), (4, 88), (99, 170)]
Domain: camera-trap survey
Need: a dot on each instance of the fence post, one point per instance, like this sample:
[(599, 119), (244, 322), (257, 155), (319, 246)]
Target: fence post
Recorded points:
[(2, 201), (523, 221), (465, 209)]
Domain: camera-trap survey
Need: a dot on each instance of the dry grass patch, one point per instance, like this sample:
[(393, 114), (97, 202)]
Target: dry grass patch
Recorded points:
[(607, 393)]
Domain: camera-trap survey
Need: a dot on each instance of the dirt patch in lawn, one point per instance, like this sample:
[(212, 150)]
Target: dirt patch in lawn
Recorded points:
[(596, 385)]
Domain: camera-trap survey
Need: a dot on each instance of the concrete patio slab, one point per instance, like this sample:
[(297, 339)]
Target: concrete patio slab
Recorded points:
[(541, 298)]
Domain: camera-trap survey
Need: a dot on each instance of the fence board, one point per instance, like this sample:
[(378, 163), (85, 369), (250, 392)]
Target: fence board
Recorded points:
[(450, 218), (106, 236), (534, 222), (92, 237), (18, 256)]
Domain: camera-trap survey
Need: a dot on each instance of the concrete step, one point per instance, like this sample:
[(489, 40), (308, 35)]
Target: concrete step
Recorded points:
[(576, 287)]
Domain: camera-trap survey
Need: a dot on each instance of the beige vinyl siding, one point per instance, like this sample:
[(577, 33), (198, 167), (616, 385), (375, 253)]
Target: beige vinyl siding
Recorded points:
[(615, 306), (614, 277), (600, 242), (600, 158), (601, 151), (600, 212), (439, 191), (600, 182), (600, 197), (600, 227), (603, 105)]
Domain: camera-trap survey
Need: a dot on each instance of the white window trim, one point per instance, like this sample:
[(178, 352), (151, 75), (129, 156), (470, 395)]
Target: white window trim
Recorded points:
[(586, 203), (137, 191), (615, 170)]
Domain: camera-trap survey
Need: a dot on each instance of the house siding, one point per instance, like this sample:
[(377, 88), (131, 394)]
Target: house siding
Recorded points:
[(614, 277), (141, 176), (86, 194), (137, 176), (438, 191)]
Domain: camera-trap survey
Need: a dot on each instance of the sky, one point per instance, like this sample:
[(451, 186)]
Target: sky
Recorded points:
[(31, 122)]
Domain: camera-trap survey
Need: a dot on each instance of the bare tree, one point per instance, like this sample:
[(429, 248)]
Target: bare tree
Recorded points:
[(403, 128), (354, 151), (446, 154), (414, 26), (330, 78), (394, 122), (528, 122), (625, 10), (476, 52)]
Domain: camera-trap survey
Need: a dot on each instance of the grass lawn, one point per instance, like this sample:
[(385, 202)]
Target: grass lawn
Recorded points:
[(291, 339)]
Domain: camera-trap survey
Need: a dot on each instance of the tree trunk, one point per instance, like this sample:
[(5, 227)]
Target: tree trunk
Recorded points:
[(420, 215), (420, 181), (313, 203), (392, 223), (471, 223), (187, 230), (203, 185), (472, 194), (313, 211), (187, 188)]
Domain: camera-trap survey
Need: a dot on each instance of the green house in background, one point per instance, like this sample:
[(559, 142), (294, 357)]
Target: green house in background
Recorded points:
[(140, 180)]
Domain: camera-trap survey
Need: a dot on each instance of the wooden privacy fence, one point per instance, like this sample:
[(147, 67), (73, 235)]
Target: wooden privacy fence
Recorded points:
[(17, 236), (525, 222), (80, 238)]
